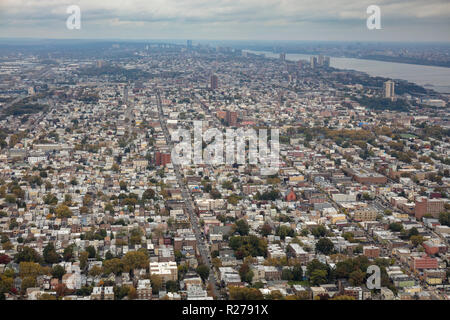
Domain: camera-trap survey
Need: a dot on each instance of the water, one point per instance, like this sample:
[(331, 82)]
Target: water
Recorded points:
[(431, 77)]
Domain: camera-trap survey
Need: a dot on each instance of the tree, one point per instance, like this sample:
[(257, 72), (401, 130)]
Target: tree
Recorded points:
[(156, 282), (46, 296), (342, 297), (6, 283), (87, 200), (248, 246), (203, 271), (172, 286), (148, 194), (395, 227), (28, 282), (27, 254), (215, 194), (444, 218), (83, 259), (96, 271), (68, 253), (413, 232), (50, 199), (356, 278), (416, 240), (135, 236), (31, 269), (4, 259), (284, 231), (325, 246), (134, 259), (50, 255), (318, 277), (238, 293), (297, 272), (319, 231), (91, 251), (132, 293), (266, 229), (246, 273), (227, 185), (58, 272), (114, 265), (61, 290), (287, 274), (63, 211), (242, 227)]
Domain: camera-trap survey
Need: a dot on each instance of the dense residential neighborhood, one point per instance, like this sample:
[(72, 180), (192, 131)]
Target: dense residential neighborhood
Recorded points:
[(93, 207)]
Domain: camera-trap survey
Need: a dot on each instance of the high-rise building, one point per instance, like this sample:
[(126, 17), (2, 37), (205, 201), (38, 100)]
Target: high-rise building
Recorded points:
[(162, 158), (283, 56), (320, 60), (313, 62), (189, 44), (231, 118), (214, 82), (326, 62), (389, 89)]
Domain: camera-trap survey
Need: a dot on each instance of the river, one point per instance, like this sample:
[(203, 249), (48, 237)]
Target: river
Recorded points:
[(431, 77)]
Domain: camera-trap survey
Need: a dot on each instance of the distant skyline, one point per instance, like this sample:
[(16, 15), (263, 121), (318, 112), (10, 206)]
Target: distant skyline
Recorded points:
[(338, 20)]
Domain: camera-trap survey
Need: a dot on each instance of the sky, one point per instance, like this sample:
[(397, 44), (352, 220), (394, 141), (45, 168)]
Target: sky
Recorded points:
[(323, 20)]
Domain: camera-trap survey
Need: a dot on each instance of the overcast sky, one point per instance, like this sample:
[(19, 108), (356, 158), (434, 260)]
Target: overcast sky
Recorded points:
[(401, 20)]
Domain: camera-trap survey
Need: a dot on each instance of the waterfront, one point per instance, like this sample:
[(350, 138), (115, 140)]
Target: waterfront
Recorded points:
[(431, 77)]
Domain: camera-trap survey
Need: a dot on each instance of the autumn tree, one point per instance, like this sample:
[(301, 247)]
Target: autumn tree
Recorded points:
[(156, 283), (135, 259), (63, 211), (114, 265)]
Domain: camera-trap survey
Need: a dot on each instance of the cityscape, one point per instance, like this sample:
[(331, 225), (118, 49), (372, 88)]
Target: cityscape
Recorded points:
[(119, 178)]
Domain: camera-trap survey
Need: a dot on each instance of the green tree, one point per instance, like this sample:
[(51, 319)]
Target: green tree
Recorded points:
[(287, 274), (242, 227), (50, 255), (91, 252), (318, 277), (58, 271), (172, 286), (395, 227), (356, 277), (319, 231), (27, 254), (325, 246), (203, 271), (297, 272)]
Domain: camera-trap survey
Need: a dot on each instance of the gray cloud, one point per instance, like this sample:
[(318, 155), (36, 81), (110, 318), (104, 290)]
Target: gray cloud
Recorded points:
[(222, 17)]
